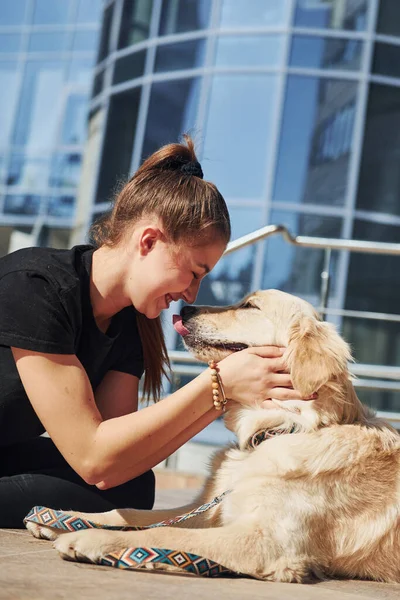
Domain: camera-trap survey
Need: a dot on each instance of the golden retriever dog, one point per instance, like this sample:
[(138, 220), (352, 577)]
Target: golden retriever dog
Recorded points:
[(321, 498)]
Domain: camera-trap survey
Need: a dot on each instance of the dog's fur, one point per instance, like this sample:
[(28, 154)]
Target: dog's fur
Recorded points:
[(323, 500)]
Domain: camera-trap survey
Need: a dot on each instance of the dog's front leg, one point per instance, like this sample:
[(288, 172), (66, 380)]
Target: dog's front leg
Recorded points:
[(240, 547), (123, 517)]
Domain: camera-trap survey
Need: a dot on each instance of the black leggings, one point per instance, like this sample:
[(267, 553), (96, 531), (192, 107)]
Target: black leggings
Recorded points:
[(34, 473)]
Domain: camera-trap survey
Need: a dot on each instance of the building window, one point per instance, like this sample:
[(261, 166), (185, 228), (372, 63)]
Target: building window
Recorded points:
[(105, 35), (257, 13), (315, 145), (298, 270), (10, 43), (179, 16), (13, 13), (232, 278), (185, 55), (117, 151), (238, 133), (128, 67), (379, 180), (40, 104), (350, 15), (371, 286), (386, 60), (172, 112), (135, 24), (8, 98), (325, 53), (388, 22), (51, 12), (249, 51)]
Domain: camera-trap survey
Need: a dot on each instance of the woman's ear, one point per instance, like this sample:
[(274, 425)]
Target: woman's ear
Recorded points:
[(316, 353), (147, 239)]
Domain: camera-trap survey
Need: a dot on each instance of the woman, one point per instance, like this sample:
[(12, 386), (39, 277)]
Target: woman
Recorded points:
[(79, 327)]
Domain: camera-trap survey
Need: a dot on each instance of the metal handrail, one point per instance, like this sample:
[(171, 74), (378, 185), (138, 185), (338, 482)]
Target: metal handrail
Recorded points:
[(369, 373), (312, 242)]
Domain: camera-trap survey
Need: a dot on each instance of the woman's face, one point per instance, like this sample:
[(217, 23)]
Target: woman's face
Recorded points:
[(167, 272)]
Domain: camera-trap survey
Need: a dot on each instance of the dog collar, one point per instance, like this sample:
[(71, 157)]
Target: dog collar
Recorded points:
[(265, 434)]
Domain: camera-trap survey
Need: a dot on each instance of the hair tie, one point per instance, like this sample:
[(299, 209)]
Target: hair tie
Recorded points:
[(192, 168)]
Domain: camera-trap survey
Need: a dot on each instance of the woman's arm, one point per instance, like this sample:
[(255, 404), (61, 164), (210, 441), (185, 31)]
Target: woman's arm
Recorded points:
[(117, 394), (119, 448)]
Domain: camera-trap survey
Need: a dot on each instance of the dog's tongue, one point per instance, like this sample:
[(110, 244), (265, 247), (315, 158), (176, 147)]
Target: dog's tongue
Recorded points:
[(179, 326)]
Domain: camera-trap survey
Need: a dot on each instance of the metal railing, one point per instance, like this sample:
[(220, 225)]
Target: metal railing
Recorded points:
[(378, 377)]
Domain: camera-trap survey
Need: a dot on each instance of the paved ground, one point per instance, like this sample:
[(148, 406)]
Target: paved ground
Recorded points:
[(31, 570)]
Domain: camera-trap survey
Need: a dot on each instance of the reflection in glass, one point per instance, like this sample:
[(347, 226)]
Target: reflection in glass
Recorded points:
[(2, 170), (28, 172), (8, 97), (386, 59), (10, 43), (22, 205), (65, 170), (81, 70), (40, 104), (373, 278), (50, 12), (388, 22), (61, 206), (129, 67), (238, 133), (331, 14), (74, 126), (13, 13), (316, 139), (298, 270), (85, 41), (184, 55), (257, 13), (325, 53), (179, 16), (135, 23), (104, 46), (89, 11), (49, 42), (98, 82), (117, 151), (379, 180), (231, 279), (249, 51), (172, 112)]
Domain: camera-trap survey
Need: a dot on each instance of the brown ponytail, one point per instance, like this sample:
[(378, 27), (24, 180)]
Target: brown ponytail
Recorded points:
[(191, 210)]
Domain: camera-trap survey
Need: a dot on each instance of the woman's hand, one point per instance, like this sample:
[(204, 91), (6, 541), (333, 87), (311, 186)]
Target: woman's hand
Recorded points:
[(254, 375)]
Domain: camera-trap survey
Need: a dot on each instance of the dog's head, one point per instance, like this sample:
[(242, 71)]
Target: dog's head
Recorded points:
[(316, 356)]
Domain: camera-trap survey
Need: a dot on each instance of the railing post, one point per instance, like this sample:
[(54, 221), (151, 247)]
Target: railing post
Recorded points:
[(325, 282)]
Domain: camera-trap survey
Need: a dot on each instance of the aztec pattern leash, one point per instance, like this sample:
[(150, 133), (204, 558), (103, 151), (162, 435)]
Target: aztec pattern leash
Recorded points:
[(136, 558)]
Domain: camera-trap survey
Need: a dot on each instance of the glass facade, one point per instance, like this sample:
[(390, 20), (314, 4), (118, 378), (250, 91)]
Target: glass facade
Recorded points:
[(294, 107), (47, 55)]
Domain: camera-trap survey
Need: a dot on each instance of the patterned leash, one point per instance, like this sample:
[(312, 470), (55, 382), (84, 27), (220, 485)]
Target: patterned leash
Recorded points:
[(134, 558)]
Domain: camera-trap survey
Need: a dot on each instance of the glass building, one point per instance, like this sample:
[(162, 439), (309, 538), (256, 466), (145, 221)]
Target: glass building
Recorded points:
[(295, 109), (47, 55)]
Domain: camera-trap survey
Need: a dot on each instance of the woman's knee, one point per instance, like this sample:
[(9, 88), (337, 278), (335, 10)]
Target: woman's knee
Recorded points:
[(137, 493)]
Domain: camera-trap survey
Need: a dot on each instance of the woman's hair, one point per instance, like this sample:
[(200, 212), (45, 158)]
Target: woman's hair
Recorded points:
[(169, 185)]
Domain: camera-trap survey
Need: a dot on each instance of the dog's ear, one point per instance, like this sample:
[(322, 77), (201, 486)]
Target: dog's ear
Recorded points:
[(316, 353)]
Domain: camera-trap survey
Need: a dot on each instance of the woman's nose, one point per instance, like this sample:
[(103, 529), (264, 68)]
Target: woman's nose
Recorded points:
[(190, 293)]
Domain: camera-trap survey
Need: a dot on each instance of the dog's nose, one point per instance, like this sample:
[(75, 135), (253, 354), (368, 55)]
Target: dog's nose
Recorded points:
[(188, 311)]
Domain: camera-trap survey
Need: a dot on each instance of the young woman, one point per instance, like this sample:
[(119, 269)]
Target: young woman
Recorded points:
[(79, 327)]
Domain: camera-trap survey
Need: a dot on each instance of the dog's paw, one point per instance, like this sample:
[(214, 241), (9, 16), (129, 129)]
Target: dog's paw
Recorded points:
[(295, 571), (90, 545), (42, 532)]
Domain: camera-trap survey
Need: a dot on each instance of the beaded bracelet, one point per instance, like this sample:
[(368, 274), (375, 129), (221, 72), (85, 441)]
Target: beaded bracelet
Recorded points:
[(217, 387)]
